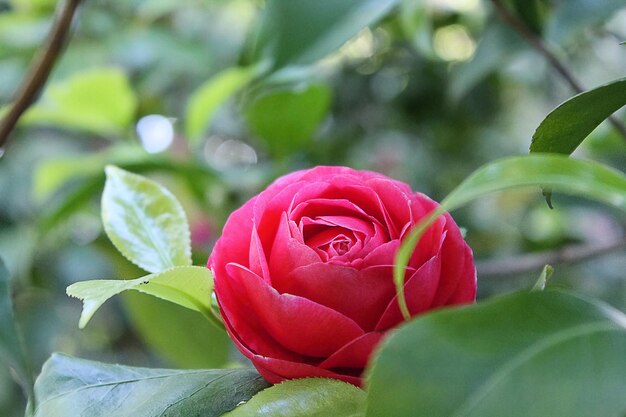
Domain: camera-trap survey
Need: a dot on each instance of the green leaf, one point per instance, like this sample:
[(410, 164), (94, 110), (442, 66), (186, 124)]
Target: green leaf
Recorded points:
[(52, 174), (98, 101), (287, 119), (310, 397), (204, 347), (188, 286), (144, 221), (301, 32), (76, 387), (570, 123), (544, 277), (11, 349), (585, 178), (533, 354), (205, 101)]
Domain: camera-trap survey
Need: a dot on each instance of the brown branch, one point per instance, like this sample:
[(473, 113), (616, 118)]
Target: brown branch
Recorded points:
[(40, 69), (538, 44), (535, 261)]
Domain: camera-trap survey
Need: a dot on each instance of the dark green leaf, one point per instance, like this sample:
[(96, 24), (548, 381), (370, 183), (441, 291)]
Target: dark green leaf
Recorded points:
[(299, 32), (533, 354), (570, 123), (144, 221), (287, 119), (310, 397), (585, 178), (11, 351), (76, 387)]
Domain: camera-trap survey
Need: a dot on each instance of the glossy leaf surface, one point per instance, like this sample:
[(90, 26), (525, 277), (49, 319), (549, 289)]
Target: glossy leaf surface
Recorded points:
[(190, 287), (570, 123), (531, 354), (144, 221), (76, 387), (309, 397)]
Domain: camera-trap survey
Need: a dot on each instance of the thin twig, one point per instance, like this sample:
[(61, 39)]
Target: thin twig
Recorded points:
[(535, 261), (40, 69), (538, 44)]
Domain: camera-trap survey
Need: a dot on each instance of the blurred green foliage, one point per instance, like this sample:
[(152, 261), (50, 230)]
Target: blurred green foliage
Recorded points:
[(427, 93)]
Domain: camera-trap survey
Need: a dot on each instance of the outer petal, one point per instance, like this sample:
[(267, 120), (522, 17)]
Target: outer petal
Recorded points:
[(465, 291), (277, 370), (355, 354), (458, 269), (361, 295), (419, 292), (298, 324), (242, 323), (234, 244)]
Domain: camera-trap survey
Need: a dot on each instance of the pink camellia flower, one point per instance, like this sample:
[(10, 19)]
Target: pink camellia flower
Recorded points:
[(303, 271)]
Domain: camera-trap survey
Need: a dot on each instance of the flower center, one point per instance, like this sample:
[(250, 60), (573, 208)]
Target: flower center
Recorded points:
[(341, 246)]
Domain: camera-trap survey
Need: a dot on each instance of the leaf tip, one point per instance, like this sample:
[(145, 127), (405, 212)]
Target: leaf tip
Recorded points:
[(112, 170)]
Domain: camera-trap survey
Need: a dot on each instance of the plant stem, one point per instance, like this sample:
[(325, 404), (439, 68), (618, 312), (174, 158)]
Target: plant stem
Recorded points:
[(40, 69), (538, 44), (535, 261)]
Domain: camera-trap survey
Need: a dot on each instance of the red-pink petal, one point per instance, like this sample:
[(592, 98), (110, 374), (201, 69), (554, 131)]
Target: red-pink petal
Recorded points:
[(289, 253), (453, 270), (355, 354), (242, 322), (276, 370), (419, 292), (296, 323), (465, 291), (257, 260), (233, 245), (361, 295), (396, 203)]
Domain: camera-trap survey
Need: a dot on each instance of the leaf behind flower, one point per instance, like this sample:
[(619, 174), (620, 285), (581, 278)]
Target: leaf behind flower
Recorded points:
[(584, 178)]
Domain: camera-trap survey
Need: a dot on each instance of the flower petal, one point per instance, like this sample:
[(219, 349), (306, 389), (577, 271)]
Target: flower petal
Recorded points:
[(257, 260), (289, 252), (276, 370), (233, 245), (361, 295), (355, 354), (458, 264), (465, 291), (242, 323), (419, 292), (296, 323)]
